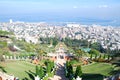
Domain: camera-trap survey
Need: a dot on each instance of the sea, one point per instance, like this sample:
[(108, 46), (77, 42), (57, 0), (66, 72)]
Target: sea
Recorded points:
[(59, 19)]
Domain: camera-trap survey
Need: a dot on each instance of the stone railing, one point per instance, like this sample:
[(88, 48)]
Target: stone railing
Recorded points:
[(5, 76), (15, 57)]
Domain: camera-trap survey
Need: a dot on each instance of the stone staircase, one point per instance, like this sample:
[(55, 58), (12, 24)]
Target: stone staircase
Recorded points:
[(60, 73)]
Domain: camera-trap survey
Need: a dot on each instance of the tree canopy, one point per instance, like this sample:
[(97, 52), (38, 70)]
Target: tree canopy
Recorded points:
[(93, 51)]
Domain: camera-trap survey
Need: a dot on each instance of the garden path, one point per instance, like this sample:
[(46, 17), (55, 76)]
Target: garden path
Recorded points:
[(60, 72)]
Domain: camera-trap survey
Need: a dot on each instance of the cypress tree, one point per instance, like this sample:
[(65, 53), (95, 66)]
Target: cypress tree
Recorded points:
[(100, 56), (91, 56), (70, 70), (41, 72), (78, 71), (48, 67), (37, 70), (95, 56), (104, 56), (108, 57)]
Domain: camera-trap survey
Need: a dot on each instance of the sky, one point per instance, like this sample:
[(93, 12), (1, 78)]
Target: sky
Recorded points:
[(95, 9)]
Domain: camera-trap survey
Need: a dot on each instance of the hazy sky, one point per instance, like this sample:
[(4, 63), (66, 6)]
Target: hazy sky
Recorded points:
[(102, 9)]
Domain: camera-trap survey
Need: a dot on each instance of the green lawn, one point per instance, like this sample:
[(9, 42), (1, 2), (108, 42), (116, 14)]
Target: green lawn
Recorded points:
[(19, 69), (96, 71), (98, 68)]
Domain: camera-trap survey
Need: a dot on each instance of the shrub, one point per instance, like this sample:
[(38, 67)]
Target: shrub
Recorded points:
[(1, 58)]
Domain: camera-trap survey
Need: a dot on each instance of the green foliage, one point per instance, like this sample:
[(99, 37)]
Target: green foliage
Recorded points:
[(40, 53), (79, 52), (115, 52), (95, 56), (75, 43), (4, 33), (52, 64), (27, 47), (69, 42), (100, 56), (78, 71), (69, 70), (97, 46), (37, 70), (41, 72), (49, 66), (104, 56), (93, 51), (91, 56), (3, 44), (6, 53), (73, 61), (48, 40), (49, 75), (108, 57), (1, 58)]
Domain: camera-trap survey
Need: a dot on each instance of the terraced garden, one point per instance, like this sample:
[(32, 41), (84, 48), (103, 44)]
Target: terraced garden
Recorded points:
[(21, 69)]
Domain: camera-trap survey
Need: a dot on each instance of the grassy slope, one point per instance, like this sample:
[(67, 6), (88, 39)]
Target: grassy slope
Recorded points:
[(96, 71), (18, 68), (100, 68)]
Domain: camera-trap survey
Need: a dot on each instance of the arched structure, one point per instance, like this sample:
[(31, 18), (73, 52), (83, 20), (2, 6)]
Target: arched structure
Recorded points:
[(61, 52)]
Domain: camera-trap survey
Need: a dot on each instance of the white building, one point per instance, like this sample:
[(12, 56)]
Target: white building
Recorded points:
[(73, 25), (31, 39), (11, 21)]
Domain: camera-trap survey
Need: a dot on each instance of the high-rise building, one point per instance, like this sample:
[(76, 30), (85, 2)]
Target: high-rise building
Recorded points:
[(11, 21)]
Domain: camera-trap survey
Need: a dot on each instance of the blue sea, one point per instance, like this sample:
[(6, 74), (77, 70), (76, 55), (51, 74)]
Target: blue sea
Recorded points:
[(54, 19)]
